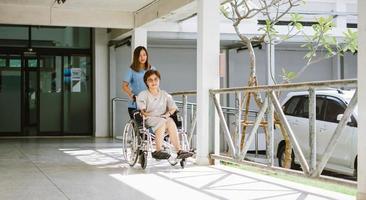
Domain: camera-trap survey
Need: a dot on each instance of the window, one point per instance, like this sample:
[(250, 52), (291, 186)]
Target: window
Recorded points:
[(2, 62), (290, 106), (32, 63), (334, 108), (15, 62), (13, 36), (61, 37), (302, 108), (320, 106)]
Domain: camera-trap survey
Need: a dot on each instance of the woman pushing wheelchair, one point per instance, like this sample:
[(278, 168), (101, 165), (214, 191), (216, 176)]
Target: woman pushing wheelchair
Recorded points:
[(157, 106)]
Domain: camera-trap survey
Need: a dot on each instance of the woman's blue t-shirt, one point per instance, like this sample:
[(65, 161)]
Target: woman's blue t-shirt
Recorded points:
[(135, 81)]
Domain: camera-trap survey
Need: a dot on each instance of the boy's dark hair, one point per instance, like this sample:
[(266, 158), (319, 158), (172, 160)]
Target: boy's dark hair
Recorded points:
[(150, 73)]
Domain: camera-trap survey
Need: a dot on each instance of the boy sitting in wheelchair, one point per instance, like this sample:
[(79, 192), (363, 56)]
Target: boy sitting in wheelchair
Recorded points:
[(157, 107)]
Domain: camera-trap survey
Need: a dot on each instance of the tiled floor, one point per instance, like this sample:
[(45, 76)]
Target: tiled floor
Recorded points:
[(94, 169)]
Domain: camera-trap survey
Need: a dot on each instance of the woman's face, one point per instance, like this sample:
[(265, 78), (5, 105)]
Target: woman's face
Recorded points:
[(153, 82), (142, 57)]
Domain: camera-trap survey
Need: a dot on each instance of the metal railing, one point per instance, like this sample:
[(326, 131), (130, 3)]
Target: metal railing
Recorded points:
[(272, 106)]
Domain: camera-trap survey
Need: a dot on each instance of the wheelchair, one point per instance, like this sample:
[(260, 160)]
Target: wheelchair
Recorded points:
[(138, 141)]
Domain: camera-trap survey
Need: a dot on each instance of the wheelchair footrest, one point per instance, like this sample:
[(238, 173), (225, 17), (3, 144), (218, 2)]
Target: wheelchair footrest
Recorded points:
[(160, 155)]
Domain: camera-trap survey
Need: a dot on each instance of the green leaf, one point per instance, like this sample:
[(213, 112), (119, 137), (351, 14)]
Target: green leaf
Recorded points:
[(298, 26), (291, 75), (224, 11), (295, 17), (351, 41), (288, 75)]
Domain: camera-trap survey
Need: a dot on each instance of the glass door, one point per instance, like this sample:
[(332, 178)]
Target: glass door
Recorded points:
[(77, 100), (10, 94), (45, 95), (50, 98), (30, 96)]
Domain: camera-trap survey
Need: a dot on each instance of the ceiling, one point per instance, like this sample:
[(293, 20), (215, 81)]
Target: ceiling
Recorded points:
[(122, 5)]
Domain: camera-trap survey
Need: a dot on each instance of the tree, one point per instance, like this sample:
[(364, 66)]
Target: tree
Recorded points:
[(273, 10), (322, 45)]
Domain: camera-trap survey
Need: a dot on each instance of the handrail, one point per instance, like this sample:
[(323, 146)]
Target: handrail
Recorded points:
[(180, 93), (287, 87)]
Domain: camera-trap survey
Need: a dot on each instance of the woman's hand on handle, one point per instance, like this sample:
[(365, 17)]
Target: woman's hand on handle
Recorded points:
[(127, 90)]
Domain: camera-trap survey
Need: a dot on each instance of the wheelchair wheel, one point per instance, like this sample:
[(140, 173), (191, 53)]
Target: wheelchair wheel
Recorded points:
[(183, 163), (130, 143), (143, 160)]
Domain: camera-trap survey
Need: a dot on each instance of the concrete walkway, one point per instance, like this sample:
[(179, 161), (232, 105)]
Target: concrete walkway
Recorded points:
[(94, 169)]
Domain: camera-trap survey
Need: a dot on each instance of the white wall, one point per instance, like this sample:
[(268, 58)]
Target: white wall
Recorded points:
[(350, 65), (101, 83), (177, 67), (289, 59)]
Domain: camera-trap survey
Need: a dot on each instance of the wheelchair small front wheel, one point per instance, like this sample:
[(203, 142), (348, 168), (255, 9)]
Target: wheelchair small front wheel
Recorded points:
[(183, 163), (143, 160)]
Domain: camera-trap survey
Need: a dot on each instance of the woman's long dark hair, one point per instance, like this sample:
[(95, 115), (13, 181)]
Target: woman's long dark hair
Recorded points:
[(136, 54)]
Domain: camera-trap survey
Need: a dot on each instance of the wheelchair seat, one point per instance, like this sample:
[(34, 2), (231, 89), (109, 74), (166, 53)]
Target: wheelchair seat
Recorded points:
[(137, 116)]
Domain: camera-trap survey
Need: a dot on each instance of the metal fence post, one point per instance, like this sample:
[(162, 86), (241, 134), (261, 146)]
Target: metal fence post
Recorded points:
[(224, 125), (239, 124), (185, 112), (312, 128), (270, 131), (113, 118)]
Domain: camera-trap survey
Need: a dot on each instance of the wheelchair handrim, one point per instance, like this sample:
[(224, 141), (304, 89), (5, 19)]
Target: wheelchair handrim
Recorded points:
[(130, 144)]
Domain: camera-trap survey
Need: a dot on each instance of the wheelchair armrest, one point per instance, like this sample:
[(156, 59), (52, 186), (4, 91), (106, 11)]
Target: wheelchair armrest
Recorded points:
[(177, 119), (137, 116)]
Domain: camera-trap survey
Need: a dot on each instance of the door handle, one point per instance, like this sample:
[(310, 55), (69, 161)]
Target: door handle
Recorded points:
[(321, 130)]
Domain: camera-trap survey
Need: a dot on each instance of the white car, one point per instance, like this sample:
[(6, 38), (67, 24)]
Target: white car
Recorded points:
[(330, 106)]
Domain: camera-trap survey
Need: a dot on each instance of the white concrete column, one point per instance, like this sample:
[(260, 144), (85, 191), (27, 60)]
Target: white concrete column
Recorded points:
[(139, 38), (101, 83), (270, 64), (361, 100), (208, 77)]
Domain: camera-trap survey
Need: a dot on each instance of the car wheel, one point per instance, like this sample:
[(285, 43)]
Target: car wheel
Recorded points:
[(281, 157)]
